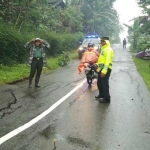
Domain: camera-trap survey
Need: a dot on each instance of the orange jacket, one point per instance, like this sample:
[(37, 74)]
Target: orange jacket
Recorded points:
[(90, 56)]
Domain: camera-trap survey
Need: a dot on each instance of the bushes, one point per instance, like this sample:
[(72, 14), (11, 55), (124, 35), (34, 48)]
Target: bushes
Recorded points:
[(60, 42), (12, 44)]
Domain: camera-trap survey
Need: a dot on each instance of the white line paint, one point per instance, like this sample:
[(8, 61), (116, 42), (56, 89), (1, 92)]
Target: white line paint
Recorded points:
[(38, 118)]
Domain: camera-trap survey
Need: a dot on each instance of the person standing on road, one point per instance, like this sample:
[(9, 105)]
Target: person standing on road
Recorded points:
[(104, 66), (37, 58), (124, 43)]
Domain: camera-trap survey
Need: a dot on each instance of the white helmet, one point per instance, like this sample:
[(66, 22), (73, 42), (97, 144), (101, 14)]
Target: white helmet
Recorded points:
[(37, 39)]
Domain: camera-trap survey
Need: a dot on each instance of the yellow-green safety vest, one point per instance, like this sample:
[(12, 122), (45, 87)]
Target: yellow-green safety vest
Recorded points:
[(105, 58)]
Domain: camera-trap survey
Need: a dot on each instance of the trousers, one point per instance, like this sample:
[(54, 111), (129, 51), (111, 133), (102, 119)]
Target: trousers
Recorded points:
[(124, 46), (103, 85), (36, 67)]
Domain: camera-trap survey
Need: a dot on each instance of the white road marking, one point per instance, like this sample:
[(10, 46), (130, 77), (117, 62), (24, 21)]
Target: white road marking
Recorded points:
[(39, 117)]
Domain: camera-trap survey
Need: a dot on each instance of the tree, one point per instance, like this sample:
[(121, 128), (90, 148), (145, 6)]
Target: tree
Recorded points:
[(134, 32), (97, 16), (140, 30)]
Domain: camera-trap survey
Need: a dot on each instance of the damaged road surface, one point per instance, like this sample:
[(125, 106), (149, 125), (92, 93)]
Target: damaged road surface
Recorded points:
[(80, 122)]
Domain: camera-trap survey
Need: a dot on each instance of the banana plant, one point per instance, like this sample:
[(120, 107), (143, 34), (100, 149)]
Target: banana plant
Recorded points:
[(134, 32)]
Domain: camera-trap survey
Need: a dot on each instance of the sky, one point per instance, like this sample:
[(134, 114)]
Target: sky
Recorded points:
[(127, 10)]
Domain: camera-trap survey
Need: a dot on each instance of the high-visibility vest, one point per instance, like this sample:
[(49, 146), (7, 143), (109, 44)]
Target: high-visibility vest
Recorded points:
[(105, 58)]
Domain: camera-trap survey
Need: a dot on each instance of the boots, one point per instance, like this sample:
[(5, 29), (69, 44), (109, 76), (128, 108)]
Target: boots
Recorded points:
[(37, 81), (30, 82)]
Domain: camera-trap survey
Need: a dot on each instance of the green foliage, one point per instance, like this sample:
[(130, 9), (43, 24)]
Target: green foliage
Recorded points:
[(141, 44), (79, 16), (12, 49), (135, 37), (60, 42), (100, 17), (12, 44), (72, 19), (144, 70), (98, 148), (9, 74), (140, 30), (74, 55), (21, 20), (21, 71), (64, 58), (52, 63)]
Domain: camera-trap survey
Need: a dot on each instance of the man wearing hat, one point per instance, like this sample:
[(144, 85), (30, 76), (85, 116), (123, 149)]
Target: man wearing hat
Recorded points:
[(37, 58), (104, 66)]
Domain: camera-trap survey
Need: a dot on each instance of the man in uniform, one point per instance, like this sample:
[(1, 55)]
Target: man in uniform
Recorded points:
[(37, 58), (104, 66)]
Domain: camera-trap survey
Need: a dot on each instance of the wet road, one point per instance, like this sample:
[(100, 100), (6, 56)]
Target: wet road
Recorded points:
[(80, 122)]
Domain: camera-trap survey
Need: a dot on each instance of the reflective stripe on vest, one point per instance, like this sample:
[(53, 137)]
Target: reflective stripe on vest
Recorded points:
[(102, 65), (89, 53)]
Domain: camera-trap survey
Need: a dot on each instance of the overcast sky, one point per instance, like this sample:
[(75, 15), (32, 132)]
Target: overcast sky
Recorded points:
[(127, 10)]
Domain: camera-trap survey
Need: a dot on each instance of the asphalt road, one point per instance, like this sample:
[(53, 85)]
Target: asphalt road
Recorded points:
[(80, 122)]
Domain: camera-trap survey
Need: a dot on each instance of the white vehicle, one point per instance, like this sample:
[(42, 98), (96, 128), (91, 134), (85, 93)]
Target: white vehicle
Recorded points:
[(89, 39)]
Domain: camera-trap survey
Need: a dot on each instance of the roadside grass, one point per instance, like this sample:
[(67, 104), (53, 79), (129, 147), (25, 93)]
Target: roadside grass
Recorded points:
[(144, 70), (53, 62), (74, 55), (9, 74), (97, 148), (21, 71)]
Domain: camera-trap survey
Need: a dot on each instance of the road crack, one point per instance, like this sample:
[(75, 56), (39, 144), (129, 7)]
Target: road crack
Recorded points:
[(53, 90), (147, 132), (8, 109)]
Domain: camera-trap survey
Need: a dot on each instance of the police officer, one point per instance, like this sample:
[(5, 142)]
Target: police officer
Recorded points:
[(37, 58), (104, 66)]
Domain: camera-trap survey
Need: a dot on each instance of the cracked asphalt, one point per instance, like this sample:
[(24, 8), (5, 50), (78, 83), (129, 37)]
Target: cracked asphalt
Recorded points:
[(80, 122)]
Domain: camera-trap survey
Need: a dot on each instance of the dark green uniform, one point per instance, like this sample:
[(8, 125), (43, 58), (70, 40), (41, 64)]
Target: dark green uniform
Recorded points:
[(36, 66)]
